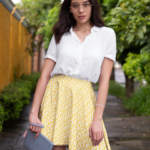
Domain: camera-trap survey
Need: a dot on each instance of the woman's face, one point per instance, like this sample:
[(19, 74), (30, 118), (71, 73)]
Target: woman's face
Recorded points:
[(81, 10)]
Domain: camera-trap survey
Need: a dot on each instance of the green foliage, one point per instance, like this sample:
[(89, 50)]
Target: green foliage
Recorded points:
[(32, 78), (107, 5), (2, 116), (36, 11), (16, 95), (131, 22), (46, 30), (138, 66), (116, 89), (139, 103), (16, 72)]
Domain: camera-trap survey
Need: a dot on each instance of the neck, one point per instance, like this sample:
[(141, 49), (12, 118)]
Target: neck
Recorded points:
[(83, 27)]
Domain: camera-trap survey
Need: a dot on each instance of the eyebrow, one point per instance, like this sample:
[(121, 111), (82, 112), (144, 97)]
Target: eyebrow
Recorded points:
[(78, 3)]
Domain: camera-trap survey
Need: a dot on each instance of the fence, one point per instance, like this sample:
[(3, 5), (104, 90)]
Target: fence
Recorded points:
[(14, 58)]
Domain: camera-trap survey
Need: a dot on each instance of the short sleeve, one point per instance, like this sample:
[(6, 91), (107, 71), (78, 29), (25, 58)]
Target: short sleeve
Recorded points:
[(111, 46), (52, 51)]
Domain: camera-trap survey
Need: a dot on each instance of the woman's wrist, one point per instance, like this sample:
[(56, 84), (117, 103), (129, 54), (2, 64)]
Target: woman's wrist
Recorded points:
[(98, 112), (34, 112), (97, 116)]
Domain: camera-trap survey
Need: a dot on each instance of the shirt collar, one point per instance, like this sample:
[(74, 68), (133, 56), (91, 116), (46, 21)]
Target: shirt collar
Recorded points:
[(94, 28)]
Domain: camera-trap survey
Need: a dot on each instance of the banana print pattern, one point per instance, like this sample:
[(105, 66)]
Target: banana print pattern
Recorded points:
[(67, 110)]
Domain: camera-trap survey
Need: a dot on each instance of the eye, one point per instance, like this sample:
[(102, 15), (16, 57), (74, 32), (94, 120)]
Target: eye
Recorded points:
[(75, 6), (86, 5)]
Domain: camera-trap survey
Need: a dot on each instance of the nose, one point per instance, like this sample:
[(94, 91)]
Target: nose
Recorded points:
[(81, 8)]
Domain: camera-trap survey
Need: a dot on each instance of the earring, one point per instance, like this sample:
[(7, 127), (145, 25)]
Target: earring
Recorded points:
[(68, 18)]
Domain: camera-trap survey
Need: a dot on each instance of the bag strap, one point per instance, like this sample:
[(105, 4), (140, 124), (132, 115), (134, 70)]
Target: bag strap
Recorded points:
[(42, 126)]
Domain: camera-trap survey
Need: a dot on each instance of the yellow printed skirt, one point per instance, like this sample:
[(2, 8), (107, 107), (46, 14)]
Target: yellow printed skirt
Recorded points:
[(67, 110)]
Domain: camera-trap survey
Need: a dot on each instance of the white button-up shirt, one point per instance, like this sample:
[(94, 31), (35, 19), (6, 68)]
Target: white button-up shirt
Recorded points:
[(82, 60)]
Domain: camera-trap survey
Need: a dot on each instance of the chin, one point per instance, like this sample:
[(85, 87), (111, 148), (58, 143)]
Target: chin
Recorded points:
[(82, 21)]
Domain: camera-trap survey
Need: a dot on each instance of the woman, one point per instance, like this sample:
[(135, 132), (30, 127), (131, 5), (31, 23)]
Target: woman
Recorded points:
[(82, 50)]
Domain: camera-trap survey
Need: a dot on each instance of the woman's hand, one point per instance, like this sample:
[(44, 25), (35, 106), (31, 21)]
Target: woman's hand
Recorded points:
[(34, 119), (96, 131)]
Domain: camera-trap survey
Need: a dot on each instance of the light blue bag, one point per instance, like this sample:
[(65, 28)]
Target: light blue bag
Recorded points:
[(39, 143)]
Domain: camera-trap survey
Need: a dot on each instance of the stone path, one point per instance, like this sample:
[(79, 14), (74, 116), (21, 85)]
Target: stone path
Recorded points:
[(125, 133)]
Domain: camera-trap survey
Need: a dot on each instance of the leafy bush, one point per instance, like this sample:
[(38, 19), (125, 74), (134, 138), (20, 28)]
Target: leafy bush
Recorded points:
[(2, 116), (137, 65), (139, 103), (33, 78), (107, 5), (131, 22), (16, 95)]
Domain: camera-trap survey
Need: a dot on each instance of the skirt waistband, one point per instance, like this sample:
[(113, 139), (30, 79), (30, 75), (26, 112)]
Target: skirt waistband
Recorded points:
[(70, 80)]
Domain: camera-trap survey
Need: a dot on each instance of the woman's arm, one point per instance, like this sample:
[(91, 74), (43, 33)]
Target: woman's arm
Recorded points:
[(38, 95), (41, 85), (106, 70), (96, 128)]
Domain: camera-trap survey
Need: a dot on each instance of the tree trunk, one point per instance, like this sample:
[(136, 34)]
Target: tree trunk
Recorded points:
[(112, 77), (129, 86)]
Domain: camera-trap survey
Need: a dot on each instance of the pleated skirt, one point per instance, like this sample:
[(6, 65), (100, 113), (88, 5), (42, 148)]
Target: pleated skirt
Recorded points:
[(67, 111)]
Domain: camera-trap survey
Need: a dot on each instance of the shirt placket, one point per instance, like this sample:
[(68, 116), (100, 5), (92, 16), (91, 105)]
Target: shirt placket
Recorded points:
[(80, 51), (79, 58)]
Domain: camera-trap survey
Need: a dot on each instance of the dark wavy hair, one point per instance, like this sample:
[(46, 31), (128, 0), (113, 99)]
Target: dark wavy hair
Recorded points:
[(63, 25)]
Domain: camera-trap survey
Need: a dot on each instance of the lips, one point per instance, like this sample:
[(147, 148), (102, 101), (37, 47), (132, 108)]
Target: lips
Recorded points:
[(81, 17)]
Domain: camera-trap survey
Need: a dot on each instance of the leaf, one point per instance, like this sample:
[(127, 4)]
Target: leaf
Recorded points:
[(121, 19), (144, 49), (144, 29), (113, 23), (140, 34), (116, 10), (148, 23), (145, 1), (121, 2), (130, 38)]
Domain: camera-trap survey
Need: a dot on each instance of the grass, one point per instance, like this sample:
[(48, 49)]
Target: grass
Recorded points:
[(114, 89)]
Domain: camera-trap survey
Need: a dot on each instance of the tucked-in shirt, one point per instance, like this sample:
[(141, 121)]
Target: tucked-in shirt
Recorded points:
[(82, 60)]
